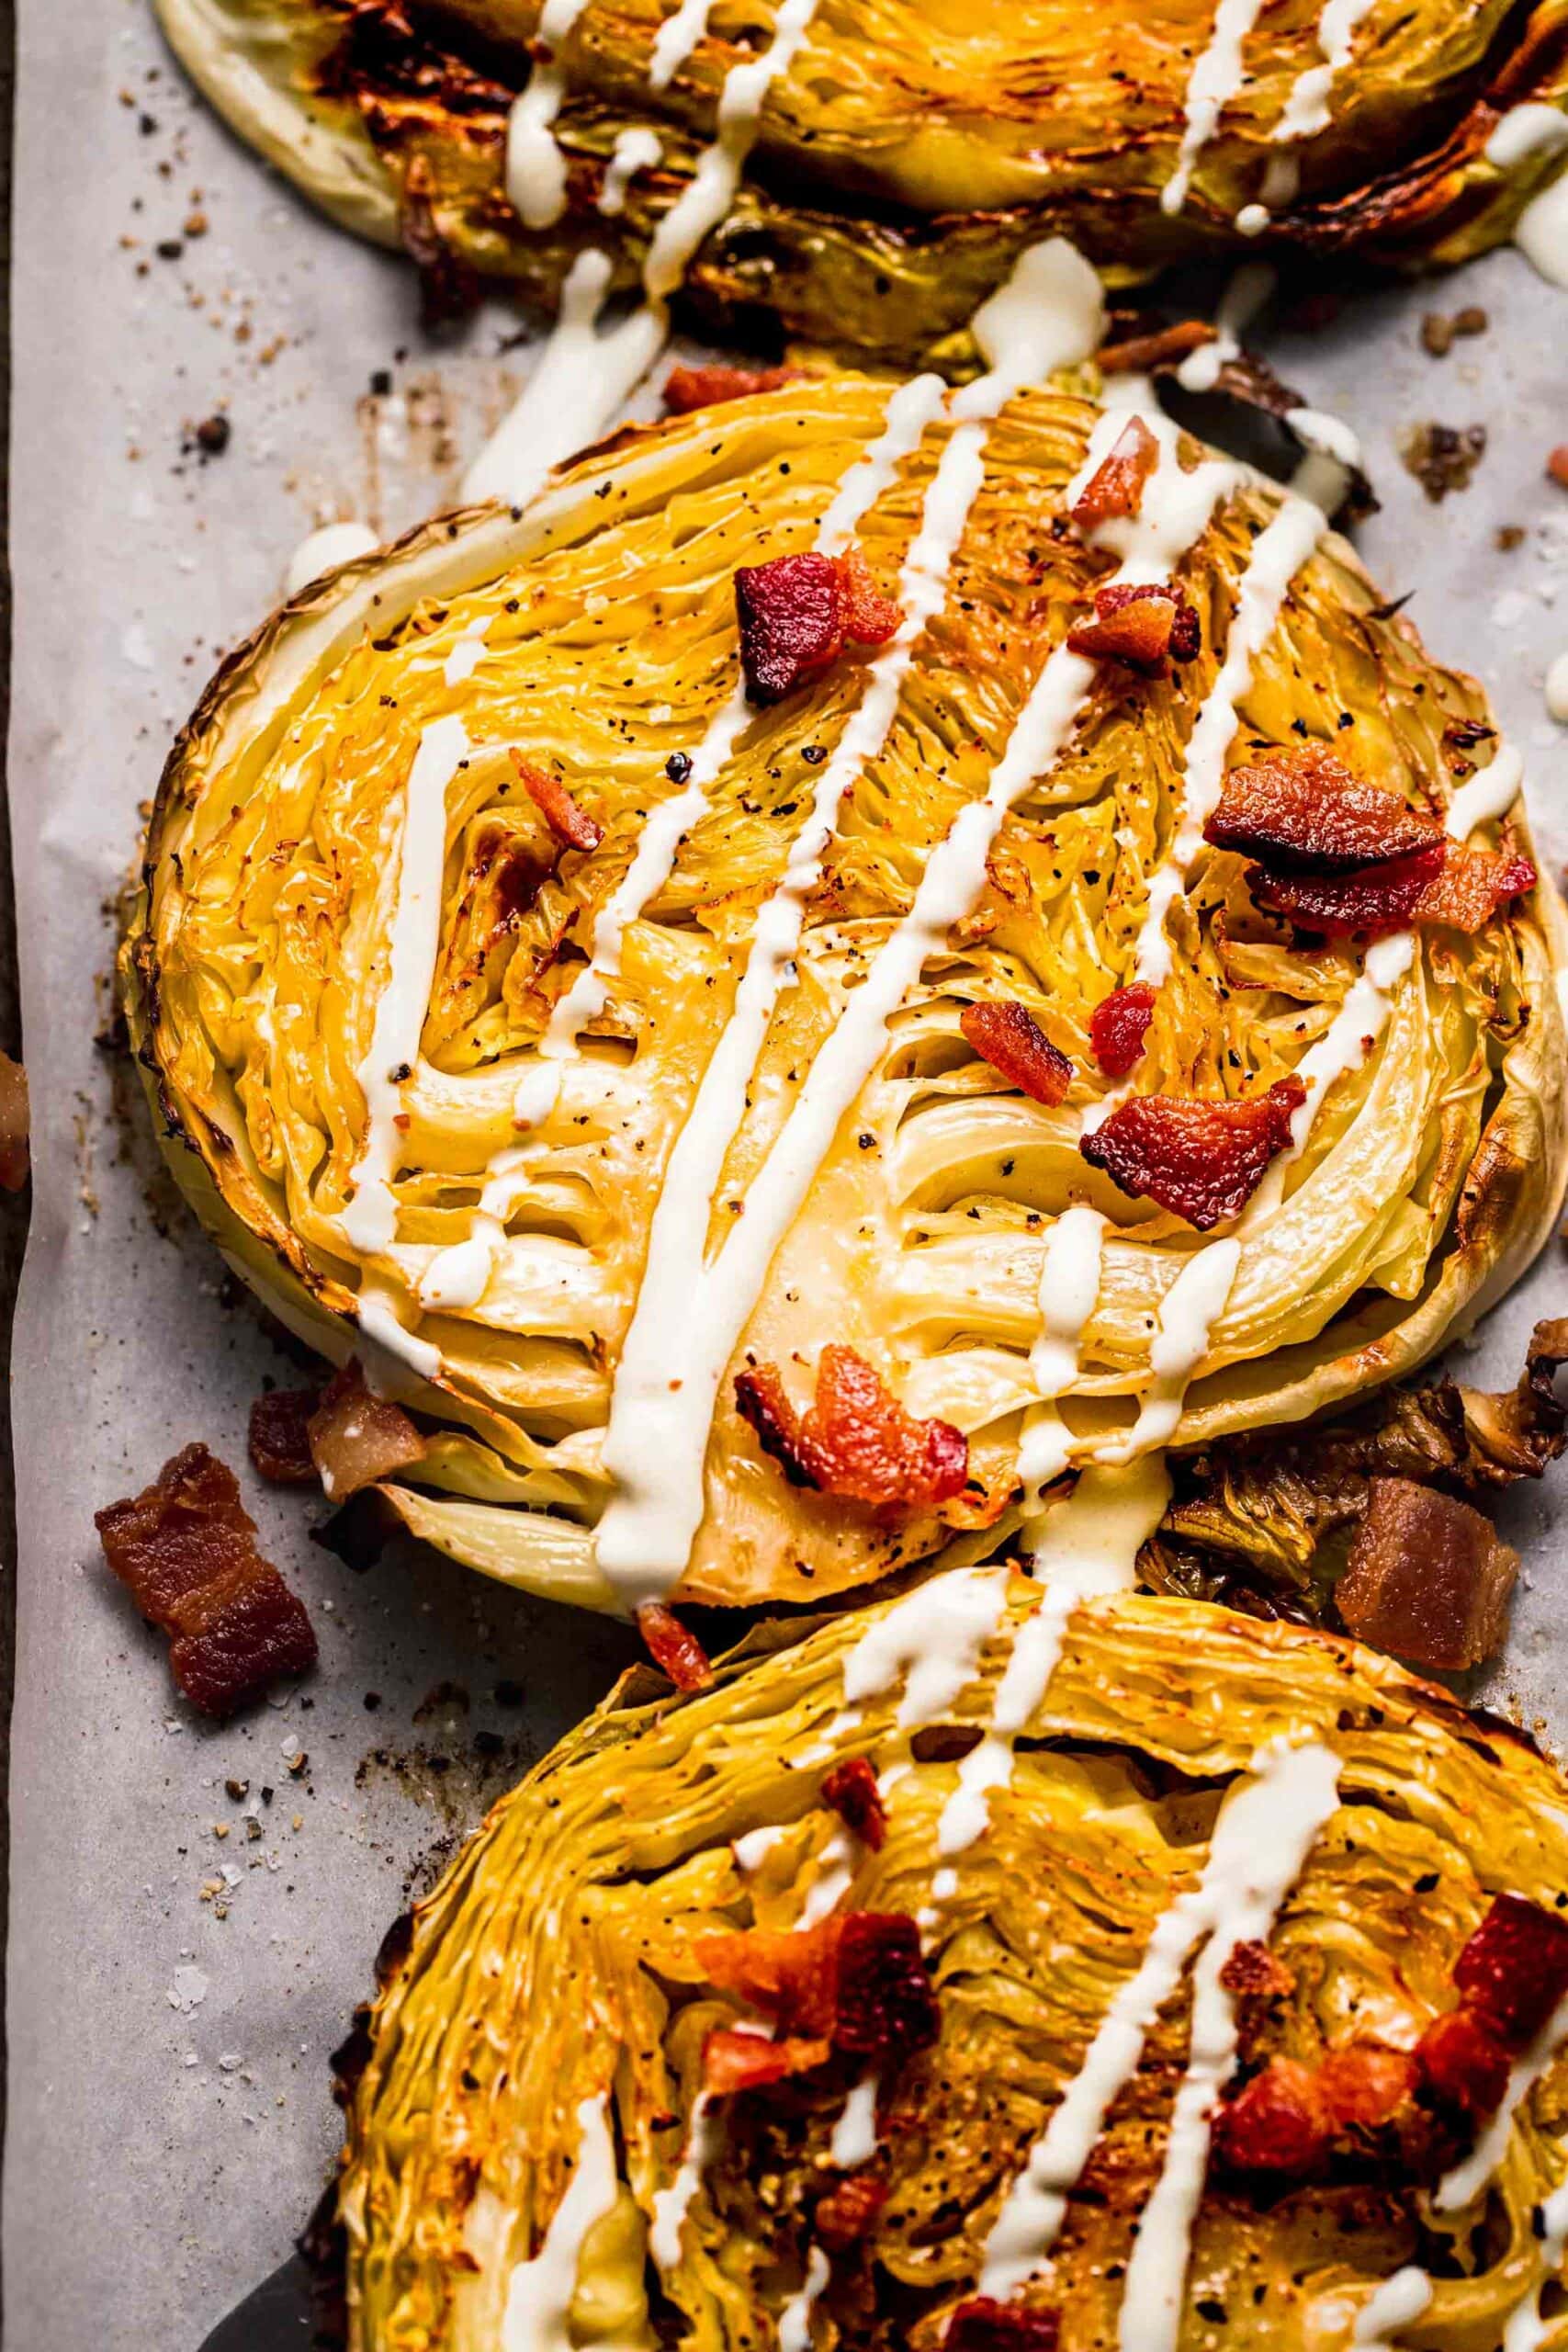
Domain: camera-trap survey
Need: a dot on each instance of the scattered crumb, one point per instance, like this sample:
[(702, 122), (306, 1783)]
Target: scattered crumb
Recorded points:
[(1557, 464), (1510, 535), (1439, 329), (1442, 456)]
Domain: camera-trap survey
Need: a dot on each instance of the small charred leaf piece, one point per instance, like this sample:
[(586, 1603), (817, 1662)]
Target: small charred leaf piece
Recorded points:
[(796, 614), (983, 2325), (358, 1438), (1253, 1972), (1444, 884), (857, 1440), (1428, 1579), (673, 1647), (1114, 490), (186, 1548), (1201, 1160), (1513, 1970), (1145, 629), (686, 389), (572, 825), (279, 1439), (1305, 809), (851, 1788), (1118, 1026), (1008, 1037)]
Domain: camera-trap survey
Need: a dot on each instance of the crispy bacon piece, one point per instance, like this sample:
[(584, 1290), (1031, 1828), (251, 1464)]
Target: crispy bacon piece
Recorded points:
[(1252, 1972), (1286, 2119), (848, 2212), (851, 1789), (185, 1547), (1201, 1160), (982, 2326), (735, 2060), (1138, 355), (796, 614), (1116, 489), (1118, 1026), (1513, 1971), (856, 1440), (1303, 809), (1147, 629), (358, 1437), (1443, 884), (1008, 1037), (857, 1982), (279, 1444), (1464, 2067), (571, 826), (1428, 1578), (14, 1125), (673, 1647), (689, 388)]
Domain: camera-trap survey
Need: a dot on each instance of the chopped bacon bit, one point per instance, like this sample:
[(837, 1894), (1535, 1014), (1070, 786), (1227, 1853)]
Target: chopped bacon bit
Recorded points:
[(1116, 486), (1304, 808), (796, 613), (1366, 2084), (858, 1982), (1147, 629), (1444, 884), (1463, 2066), (1514, 1970), (1277, 2123), (571, 826), (1201, 1160), (279, 1444), (1252, 1969), (847, 2213), (885, 1998), (185, 1547), (982, 2326), (673, 1647), (1139, 354), (857, 1440), (14, 1125), (851, 1789), (689, 388), (1557, 465), (1428, 1579), (1008, 1037), (358, 1437), (1118, 1026), (735, 2060)]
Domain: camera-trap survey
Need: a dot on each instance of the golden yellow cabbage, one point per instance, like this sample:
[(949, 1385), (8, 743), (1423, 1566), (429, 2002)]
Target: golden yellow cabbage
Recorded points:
[(595, 634), (910, 153), (548, 1994)]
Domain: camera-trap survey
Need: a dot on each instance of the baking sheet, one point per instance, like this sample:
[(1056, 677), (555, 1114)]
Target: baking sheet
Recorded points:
[(176, 1977)]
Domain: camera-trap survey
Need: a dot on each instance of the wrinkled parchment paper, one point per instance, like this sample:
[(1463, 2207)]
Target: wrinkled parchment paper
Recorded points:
[(195, 1910)]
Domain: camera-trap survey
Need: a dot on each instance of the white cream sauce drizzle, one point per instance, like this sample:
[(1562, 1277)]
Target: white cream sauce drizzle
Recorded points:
[(794, 2320), (1217, 75), (1397, 2302), (582, 377), (676, 39), (1249, 289), (1541, 233), (1275, 1822), (370, 1222), (1527, 2328), (1189, 1312), (1069, 1286), (636, 150), (854, 2133), (690, 1310), (1306, 111), (1085, 1549), (671, 2205), (1263, 1833), (539, 2296), (1467, 2178)]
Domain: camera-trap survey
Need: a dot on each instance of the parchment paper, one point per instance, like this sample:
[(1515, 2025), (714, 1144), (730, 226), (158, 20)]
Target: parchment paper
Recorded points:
[(169, 2114)]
